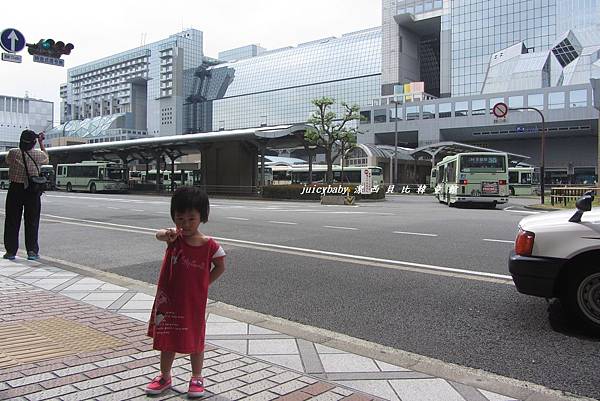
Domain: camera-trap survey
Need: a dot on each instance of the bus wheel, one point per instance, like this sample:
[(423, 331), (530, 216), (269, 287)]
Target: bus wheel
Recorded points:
[(1, 185), (93, 188), (69, 187), (512, 192)]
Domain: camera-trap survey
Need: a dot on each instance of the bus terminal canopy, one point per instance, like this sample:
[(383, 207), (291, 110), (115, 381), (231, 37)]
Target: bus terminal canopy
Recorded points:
[(436, 152), (146, 148)]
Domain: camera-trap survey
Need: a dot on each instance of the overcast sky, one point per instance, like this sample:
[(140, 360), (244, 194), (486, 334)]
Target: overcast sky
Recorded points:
[(106, 27)]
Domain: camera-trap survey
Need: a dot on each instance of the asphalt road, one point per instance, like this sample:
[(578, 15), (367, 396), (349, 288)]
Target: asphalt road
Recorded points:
[(357, 271)]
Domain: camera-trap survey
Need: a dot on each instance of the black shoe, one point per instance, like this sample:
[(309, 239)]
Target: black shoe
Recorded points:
[(32, 255), (9, 256)]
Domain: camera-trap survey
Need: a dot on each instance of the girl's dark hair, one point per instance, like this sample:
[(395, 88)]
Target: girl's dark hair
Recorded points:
[(190, 198), (27, 141)]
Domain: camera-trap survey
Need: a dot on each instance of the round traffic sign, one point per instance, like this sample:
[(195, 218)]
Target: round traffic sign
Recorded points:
[(500, 110), (12, 40)]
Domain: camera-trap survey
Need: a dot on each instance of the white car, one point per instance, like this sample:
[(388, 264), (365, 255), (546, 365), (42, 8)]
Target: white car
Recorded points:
[(557, 255)]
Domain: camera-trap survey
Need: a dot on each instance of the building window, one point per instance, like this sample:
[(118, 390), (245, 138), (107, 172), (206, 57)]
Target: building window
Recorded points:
[(478, 107), (428, 111), (578, 98), (412, 113), (392, 114), (515, 102), (536, 100), (365, 117), (379, 116), (556, 100), (444, 110), (461, 109)]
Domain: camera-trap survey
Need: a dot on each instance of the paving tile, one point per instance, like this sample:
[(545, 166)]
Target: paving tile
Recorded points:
[(114, 361), (62, 381), (103, 296), (323, 349), (129, 383), (226, 328), (225, 386), (240, 346), (256, 376), (285, 377), (141, 316), (295, 396), (137, 372), (23, 381), (50, 283), (342, 391), (231, 395), (264, 396), (348, 363), (121, 395), (425, 390), (328, 396), (386, 367), (289, 361), (318, 388), (379, 388), (260, 330), (271, 347), (257, 387), (228, 375), (90, 383), (288, 387), (55, 392), (13, 393), (308, 380), (494, 396), (214, 318), (222, 367), (254, 366)]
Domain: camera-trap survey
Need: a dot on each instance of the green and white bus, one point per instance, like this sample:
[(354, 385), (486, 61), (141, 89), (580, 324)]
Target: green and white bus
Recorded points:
[(520, 180), (4, 181), (91, 176), (352, 174), (188, 178), (478, 177)]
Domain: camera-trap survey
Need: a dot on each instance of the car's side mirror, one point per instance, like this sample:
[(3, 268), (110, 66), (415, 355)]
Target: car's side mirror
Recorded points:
[(584, 204)]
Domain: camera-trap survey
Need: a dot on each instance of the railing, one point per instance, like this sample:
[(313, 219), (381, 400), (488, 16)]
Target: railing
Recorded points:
[(567, 194)]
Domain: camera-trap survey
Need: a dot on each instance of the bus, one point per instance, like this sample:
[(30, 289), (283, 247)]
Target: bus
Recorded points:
[(520, 180), (4, 181), (282, 175), (352, 174), (268, 175), (189, 177), (91, 176), (478, 177), (47, 170)]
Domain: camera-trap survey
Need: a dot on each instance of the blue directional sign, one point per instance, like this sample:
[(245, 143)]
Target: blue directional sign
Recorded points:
[(12, 40)]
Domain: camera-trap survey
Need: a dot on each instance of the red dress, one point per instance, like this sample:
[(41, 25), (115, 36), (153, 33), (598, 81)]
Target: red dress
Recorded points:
[(178, 319)]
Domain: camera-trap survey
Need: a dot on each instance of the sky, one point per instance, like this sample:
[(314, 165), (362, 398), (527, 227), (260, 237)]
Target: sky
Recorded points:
[(99, 29)]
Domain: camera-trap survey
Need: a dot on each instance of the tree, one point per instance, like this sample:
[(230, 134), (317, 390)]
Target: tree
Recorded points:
[(308, 145), (331, 133)]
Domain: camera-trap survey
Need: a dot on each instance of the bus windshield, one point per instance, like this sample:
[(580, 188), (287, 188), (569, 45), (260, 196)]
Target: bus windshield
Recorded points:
[(482, 163), (115, 173)]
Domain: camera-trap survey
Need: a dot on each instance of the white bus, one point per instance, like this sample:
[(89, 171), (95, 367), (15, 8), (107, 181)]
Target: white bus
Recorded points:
[(478, 177), (352, 174), (520, 180), (4, 181), (268, 175), (167, 177), (91, 176)]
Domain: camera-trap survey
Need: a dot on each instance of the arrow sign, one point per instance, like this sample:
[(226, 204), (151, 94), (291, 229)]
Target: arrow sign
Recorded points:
[(12, 40)]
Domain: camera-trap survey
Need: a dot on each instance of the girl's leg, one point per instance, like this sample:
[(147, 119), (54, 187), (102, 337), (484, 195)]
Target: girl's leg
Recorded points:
[(197, 363), (166, 361)]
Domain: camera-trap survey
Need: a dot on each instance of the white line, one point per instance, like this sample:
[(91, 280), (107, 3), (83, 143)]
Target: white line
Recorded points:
[(112, 207), (409, 233), (310, 251), (137, 210), (238, 218), (499, 240), (281, 222), (341, 228), (522, 211)]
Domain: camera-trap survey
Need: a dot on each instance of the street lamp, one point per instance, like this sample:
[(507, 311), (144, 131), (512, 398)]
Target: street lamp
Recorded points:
[(395, 178), (542, 156)]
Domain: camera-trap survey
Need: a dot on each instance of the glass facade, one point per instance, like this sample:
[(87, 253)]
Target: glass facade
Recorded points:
[(577, 14), (277, 87), (481, 28)]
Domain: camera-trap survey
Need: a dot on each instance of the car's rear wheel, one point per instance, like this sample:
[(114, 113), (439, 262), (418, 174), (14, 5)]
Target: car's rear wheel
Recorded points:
[(582, 296)]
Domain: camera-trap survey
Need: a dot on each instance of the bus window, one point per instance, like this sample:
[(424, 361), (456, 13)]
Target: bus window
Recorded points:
[(451, 172), (525, 178), (513, 177)]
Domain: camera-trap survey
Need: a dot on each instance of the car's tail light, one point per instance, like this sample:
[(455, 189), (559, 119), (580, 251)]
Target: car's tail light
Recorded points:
[(502, 182), (463, 182), (524, 243)]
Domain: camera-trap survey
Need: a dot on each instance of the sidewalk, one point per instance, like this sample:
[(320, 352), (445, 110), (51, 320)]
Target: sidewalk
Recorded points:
[(65, 336)]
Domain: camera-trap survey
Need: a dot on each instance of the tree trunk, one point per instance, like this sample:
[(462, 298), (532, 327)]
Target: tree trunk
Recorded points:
[(310, 161), (329, 176)]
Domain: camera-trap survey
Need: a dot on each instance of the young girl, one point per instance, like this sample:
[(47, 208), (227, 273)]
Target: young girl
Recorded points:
[(177, 322)]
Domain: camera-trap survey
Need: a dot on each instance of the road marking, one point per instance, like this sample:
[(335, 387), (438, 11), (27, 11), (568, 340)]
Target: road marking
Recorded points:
[(282, 222), (237, 218), (137, 210), (509, 209), (498, 240), (337, 256), (341, 228), (112, 207), (409, 233)]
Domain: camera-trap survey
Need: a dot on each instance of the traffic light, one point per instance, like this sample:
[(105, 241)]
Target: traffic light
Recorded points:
[(49, 48)]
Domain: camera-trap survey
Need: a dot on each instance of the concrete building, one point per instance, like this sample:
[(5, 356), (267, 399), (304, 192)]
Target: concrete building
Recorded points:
[(20, 113), (241, 53), (132, 94)]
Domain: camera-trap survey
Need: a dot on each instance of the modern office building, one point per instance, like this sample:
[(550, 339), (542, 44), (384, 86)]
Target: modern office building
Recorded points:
[(277, 86), (131, 94), (18, 114)]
